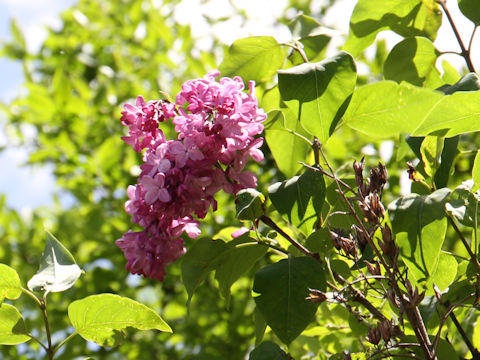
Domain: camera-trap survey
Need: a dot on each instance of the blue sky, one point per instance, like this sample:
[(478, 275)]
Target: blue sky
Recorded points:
[(26, 187)]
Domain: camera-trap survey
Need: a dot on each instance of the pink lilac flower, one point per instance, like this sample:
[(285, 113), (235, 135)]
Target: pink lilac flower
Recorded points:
[(217, 124)]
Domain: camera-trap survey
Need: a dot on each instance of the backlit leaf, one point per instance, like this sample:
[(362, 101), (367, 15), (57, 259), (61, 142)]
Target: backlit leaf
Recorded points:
[(300, 198), (103, 318), (12, 327), (318, 93), (253, 58), (10, 286), (58, 269)]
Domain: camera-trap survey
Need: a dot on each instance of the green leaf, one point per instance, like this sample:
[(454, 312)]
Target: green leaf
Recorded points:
[(399, 110), (268, 351), (476, 172), (449, 153), (318, 93), (199, 260), (443, 274), (403, 108), (10, 286), (300, 198), (102, 318), (445, 350), (407, 18), (282, 288), (464, 206), (471, 9), (244, 252), (287, 148), (12, 327), (469, 82), (249, 204), (253, 58), (58, 269), (260, 326), (413, 60), (419, 224), (314, 47), (453, 115), (431, 150)]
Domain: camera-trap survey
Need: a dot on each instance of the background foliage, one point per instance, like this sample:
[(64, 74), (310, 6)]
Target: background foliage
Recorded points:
[(83, 73)]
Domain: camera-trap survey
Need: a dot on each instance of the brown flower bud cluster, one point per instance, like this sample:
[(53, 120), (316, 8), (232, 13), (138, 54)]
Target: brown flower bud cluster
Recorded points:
[(344, 242), (378, 178), (388, 246), (414, 297), (370, 195), (385, 330)]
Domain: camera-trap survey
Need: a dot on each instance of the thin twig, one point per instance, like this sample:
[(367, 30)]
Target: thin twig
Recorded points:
[(267, 221), (473, 258), (465, 52), (473, 350)]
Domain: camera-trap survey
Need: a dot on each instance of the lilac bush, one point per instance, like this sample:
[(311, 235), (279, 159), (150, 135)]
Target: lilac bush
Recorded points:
[(216, 124)]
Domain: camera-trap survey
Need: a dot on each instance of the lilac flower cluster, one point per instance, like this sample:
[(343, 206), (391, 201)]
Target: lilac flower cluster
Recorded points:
[(216, 123)]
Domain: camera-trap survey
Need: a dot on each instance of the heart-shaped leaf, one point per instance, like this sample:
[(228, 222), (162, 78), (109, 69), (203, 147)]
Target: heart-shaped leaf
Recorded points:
[(300, 198), (10, 286), (12, 327), (283, 287)]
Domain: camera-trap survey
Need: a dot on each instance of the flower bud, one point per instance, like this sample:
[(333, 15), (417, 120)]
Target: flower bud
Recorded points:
[(373, 269), (373, 336)]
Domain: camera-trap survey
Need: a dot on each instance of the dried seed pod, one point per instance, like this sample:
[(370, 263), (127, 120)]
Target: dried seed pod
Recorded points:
[(374, 335), (362, 239), (358, 169), (392, 298), (341, 242), (386, 329), (373, 269), (378, 178), (388, 245), (373, 200)]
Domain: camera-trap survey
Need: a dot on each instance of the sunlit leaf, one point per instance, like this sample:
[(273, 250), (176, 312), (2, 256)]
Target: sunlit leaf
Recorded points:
[(419, 224), (10, 286), (408, 109), (300, 198), (413, 60), (58, 269), (249, 204), (253, 58), (284, 138), (318, 93), (405, 17), (476, 172), (12, 327), (431, 150), (103, 318)]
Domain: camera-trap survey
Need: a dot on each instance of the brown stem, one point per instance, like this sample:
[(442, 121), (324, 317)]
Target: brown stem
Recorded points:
[(473, 258), (464, 51), (412, 312), (473, 350), (267, 221)]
